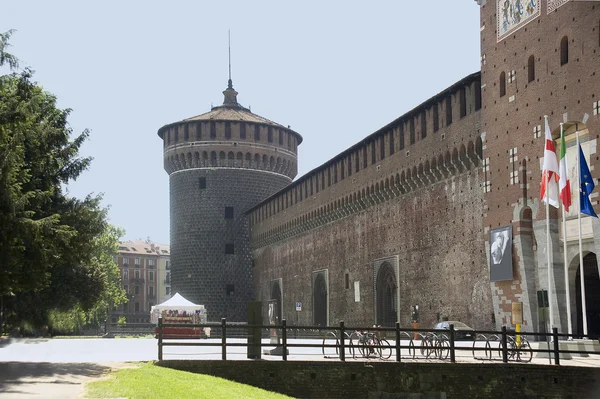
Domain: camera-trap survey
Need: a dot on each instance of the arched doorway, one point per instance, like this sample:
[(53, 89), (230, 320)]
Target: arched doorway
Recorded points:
[(592, 295), (320, 300), (276, 295), (387, 296)]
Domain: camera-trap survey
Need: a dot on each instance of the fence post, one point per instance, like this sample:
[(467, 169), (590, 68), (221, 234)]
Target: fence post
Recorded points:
[(504, 345), (342, 343), (398, 348), (284, 338), (452, 347), (223, 338), (556, 349), (160, 338)]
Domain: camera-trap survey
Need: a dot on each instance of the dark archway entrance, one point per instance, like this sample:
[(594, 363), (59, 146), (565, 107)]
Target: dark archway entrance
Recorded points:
[(592, 295), (387, 296), (276, 295), (320, 301)]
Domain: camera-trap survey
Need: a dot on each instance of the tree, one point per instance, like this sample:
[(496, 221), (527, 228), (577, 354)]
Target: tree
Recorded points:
[(55, 251)]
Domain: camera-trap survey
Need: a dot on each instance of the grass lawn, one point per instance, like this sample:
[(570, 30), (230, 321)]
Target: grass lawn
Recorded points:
[(149, 381)]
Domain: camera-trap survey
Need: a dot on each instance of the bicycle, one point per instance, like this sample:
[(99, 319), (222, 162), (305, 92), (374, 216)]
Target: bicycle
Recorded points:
[(521, 352), (371, 344), (328, 348), (436, 345)]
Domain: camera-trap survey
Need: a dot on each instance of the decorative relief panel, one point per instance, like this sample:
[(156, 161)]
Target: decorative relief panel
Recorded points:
[(513, 14), (554, 4)]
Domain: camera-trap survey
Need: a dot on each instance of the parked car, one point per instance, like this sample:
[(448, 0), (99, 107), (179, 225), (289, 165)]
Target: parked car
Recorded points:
[(461, 330)]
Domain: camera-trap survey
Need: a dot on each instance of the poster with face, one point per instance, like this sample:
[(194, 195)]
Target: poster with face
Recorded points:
[(501, 254)]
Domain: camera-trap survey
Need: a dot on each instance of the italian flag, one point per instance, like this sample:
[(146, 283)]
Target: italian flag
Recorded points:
[(564, 182), (549, 170)]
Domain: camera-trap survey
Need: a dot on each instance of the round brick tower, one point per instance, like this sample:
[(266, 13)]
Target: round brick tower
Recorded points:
[(220, 164)]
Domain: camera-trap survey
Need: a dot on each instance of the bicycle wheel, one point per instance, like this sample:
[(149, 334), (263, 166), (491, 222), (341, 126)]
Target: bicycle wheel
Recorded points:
[(411, 349), (478, 338), (386, 350), (354, 340), (512, 348), (329, 339), (426, 346), (524, 353), (442, 347)]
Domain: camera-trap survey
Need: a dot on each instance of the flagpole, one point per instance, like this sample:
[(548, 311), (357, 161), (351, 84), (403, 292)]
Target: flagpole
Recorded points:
[(551, 307), (581, 269), (564, 225)]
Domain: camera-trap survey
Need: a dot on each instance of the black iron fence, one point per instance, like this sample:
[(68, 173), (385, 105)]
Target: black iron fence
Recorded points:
[(385, 343)]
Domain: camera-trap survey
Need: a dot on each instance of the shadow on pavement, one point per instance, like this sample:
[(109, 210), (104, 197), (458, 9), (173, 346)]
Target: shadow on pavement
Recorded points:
[(21, 378)]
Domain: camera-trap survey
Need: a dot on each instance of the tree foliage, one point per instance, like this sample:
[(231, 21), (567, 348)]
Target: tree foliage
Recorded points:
[(55, 251)]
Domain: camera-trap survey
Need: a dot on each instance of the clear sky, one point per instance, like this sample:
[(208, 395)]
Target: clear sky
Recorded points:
[(335, 71)]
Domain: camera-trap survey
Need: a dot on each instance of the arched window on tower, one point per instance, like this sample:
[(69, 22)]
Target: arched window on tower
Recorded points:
[(564, 50), (531, 69), (502, 84)]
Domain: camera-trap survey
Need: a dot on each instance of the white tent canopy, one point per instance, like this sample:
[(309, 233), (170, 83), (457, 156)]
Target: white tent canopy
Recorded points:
[(176, 302)]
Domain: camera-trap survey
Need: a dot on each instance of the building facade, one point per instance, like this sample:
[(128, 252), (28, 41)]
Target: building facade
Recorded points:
[(406, 216), (143, 267)]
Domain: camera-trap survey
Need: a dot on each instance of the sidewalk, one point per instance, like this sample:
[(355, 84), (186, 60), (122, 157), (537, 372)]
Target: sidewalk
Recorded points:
[(49, 380)]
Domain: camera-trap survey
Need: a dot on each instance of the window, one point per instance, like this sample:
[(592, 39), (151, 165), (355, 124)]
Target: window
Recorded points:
[(136, 290), (347, 280), (137, 307), (137, 261), (229, 289), (126, 288), (448, 110), (227, 130), (213, 130), (167, 278), (243, 131), (136, 274), (463, 102), (125, 274), (502, 84), (531, 69), (350, 165), (228, 212), (564, 50), (150, 291), (167, 290), (412, 131), (150, 262), (401, 137), (167, 265), (229, 249), (436, 118), (151, 276), (125, 261), (477, 95), (373, 157), (202, 183)]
